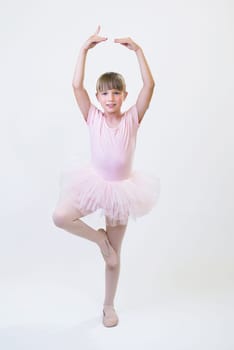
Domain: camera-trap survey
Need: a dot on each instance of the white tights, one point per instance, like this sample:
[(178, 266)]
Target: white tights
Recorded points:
[(68, 218)]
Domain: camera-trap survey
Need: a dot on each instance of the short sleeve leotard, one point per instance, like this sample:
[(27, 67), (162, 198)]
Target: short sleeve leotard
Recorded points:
[(108, 183), (112, 148)]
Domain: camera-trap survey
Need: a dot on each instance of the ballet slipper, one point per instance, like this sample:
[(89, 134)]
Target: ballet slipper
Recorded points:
[(108, 252), (110, 318)]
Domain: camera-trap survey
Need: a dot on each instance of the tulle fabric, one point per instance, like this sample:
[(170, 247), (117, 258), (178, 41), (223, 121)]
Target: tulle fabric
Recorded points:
[(116, 200)]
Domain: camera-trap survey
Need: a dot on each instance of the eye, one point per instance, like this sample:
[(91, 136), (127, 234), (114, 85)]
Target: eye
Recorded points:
[(116, 92), (104, 93)]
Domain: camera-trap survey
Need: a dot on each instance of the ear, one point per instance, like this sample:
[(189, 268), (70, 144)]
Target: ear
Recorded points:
[(97, 96), (125, 94)]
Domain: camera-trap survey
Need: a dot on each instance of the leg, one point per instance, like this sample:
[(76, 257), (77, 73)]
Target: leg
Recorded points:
[(67, 217), (115, 235)]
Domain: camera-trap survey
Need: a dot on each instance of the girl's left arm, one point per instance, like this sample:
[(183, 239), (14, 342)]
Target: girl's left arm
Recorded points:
[(146, 92)]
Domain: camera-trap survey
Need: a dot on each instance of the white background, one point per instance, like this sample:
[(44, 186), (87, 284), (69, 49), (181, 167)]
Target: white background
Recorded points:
[(176, 286)]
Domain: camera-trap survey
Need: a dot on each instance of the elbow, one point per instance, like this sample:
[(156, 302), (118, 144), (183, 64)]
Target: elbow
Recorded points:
[(77, 84), (76, 87), (152, 84)]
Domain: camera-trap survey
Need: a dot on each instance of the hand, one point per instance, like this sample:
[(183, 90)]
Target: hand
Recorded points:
[(94, 40), (128, 42)]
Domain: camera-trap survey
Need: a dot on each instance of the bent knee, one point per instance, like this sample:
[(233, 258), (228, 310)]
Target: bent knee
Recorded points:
[(59, 218), (63, 216)]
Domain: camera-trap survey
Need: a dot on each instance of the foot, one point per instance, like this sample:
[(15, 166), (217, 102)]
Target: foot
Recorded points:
[(107, 251), (110, 318)]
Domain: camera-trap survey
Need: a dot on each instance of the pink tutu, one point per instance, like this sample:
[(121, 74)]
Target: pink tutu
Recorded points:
[(117, 200)]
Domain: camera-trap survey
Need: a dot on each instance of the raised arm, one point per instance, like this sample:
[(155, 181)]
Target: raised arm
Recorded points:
[(146, 92), (80, 92)]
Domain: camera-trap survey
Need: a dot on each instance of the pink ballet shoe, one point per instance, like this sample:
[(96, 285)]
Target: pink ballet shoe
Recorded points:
[(108, 252), (110, 318)]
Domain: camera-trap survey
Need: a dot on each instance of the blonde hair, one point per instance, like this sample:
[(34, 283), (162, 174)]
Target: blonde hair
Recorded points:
[(109, 81)]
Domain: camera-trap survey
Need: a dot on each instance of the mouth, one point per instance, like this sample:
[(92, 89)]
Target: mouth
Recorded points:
[(110, 105)]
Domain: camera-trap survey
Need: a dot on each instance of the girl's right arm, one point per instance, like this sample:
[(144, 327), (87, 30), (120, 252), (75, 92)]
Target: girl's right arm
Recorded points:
[(80, 92)]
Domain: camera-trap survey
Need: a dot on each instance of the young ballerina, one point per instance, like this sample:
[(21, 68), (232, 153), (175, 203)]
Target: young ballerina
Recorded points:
[(108, 183)]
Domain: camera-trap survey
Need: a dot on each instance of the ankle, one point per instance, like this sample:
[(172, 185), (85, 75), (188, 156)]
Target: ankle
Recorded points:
[(110, 317), (102, 237), (107, 250), (103, 241), (108, 306)]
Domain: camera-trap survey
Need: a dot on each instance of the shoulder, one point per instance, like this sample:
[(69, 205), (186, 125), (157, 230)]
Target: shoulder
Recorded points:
[(132, 114), (93, 114)]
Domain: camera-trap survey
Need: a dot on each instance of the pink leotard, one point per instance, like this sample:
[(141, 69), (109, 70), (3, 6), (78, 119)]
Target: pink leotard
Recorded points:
[(109, 184), (112, 149)]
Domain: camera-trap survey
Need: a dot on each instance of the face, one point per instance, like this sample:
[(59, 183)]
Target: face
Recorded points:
[(111, 100)]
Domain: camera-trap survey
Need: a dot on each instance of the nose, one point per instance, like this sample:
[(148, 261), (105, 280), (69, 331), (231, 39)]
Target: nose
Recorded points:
[(110, 95)]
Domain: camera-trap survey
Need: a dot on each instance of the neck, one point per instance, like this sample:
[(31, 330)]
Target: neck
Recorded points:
[(113, 115), (113, 119)]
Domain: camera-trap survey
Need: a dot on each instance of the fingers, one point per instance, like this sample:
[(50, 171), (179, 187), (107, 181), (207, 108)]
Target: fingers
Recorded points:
[(98, 30), (127, 42), (123, 40), (97, 37)]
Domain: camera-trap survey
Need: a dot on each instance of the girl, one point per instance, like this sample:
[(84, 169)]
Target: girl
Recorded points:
[(108, 183)]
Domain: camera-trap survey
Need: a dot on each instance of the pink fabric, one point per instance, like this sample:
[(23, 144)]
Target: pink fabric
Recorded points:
[(112, 149), (108, 184)]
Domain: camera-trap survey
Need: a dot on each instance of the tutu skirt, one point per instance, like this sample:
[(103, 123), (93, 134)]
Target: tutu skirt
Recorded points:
[(117, 200)]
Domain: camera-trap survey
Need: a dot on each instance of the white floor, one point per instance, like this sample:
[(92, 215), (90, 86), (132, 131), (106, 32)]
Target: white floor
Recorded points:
[(171, 324)]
